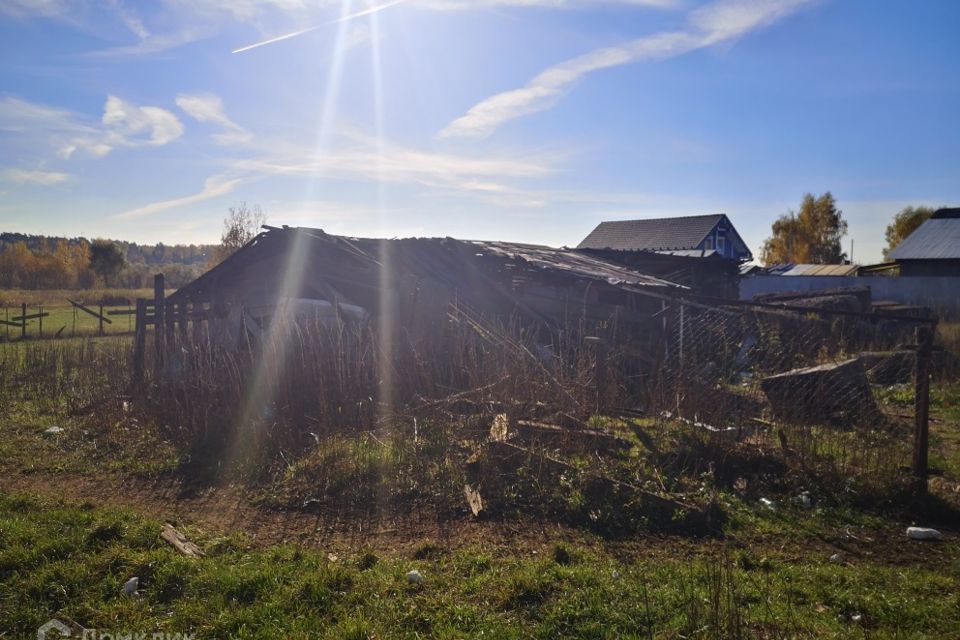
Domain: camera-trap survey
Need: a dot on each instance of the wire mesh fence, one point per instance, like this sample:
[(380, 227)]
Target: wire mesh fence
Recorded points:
[(836, 393)]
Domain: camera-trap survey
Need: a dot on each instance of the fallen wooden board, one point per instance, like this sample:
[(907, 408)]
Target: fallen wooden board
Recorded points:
[(32, 316), (829, 392), (473, 499), (179, 542)]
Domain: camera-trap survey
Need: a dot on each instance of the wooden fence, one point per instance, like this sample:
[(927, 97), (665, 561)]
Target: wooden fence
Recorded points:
[(168, 320), (27, 321)]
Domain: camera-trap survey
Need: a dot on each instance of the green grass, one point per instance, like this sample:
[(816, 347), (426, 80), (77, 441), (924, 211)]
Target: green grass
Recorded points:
[(67, 321), (72, 560), (64, 316), (765, 574)]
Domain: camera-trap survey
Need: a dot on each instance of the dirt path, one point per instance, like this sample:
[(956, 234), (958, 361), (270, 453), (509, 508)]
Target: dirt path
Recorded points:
[(226, 509)]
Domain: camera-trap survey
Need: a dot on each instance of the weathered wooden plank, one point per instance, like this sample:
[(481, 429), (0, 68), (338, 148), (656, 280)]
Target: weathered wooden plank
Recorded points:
[(474, 499), (89, 311), (179, 542), (829, 392), (32, 316)]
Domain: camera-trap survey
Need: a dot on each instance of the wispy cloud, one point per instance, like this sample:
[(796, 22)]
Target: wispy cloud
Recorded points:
[(35, 177), (213, 187), (182, 22), (43, 8), (208, 108), (716, 23), (460, 5), (363, 158), (344, 18), (125, 124), (21, 116), (129, 19)]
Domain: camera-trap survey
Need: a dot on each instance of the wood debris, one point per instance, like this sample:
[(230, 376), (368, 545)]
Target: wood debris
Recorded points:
[(179, 542)]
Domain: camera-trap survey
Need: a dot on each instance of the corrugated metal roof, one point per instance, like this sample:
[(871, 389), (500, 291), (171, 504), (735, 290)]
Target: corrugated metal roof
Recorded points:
[(935, 239), (655, 234), (571, 262), (690, 253), (813, 270)]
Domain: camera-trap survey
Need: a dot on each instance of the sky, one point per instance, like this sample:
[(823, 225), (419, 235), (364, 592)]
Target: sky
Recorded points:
[(521, 120)]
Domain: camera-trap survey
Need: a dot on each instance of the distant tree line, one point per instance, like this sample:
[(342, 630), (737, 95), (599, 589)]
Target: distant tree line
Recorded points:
[(43, 262)]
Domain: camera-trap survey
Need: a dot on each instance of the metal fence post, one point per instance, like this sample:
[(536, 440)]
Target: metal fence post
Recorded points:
[(924, 339)]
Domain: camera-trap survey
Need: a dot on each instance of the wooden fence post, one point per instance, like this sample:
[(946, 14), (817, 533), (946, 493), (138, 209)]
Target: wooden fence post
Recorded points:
[(139, 342), (40, 319), (101, 319), (197, 313), (158, 322), (599, 347), (182, 317), (23, 320), (171, 322), (924, 339)]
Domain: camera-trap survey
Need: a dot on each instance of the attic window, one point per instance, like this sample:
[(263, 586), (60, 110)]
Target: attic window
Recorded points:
[(708, 245)]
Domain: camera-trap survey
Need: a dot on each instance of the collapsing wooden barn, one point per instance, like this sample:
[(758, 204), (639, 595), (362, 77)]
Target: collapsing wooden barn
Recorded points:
[(412, 282), (320, 323)]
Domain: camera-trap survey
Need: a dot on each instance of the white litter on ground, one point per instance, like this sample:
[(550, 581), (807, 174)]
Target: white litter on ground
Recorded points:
[(923, 533)]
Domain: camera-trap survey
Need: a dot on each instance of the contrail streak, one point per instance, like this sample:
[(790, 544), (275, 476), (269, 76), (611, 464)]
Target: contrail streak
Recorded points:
[(352, 16)]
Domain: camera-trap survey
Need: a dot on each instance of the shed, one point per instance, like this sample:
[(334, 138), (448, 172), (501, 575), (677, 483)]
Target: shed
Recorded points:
[(413, 282), (933, 249)]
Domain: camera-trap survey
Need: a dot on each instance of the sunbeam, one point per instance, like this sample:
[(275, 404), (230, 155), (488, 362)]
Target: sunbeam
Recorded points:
[(269, 357)]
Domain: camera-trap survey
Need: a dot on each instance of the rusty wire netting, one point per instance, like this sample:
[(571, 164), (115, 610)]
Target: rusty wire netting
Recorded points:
[(833, 393)]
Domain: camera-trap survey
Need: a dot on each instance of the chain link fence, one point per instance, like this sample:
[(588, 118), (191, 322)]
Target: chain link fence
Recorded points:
[(839, 395)]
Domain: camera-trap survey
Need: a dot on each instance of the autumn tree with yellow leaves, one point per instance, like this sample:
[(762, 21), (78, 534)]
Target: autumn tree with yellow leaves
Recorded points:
[(810, 236)]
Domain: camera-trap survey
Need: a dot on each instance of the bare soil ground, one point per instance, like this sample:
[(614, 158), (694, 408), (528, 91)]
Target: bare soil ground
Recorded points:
[(229, 509)]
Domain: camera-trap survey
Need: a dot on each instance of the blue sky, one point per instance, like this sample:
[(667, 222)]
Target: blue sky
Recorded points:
[(527, 120)]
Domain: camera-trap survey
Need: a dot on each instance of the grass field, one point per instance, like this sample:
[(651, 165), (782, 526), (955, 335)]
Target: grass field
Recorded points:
[(64, 318), (315, 546), (71, 559)]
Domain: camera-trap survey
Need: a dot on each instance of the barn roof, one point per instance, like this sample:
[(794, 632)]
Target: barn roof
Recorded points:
[(654, 234), (936, 239), (455, 262)]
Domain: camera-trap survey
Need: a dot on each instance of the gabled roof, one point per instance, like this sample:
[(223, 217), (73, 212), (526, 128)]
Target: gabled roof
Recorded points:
[(654, 234), (936, 239)]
